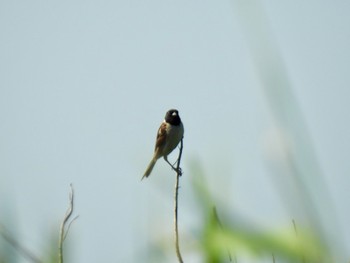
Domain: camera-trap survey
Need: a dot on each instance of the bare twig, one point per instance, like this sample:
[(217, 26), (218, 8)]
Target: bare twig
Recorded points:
[(16, 245), (178, 174), (68, 227), (64, 230)]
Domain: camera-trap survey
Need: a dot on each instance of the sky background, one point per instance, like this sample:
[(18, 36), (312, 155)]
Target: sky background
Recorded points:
[(84, 86)]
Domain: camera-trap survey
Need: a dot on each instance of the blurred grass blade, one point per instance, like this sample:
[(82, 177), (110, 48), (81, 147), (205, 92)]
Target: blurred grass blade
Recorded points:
[(303, 161)]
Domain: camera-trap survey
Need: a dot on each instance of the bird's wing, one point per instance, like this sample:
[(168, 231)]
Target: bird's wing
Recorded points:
[(161, 136)]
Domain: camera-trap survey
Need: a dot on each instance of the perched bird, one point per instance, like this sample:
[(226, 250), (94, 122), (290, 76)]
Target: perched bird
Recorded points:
[(169, 135)]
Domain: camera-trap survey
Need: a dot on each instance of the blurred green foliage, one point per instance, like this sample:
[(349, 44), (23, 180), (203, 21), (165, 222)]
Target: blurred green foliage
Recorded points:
[(221, 241)]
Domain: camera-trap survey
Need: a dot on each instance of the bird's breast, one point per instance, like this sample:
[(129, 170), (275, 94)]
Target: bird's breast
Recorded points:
[(174, 136)]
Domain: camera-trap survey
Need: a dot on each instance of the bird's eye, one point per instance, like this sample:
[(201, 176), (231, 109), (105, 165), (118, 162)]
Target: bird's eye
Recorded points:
[(174, 113)]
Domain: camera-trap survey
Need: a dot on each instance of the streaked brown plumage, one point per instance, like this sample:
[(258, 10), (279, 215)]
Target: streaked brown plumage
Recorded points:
[(169, 135)]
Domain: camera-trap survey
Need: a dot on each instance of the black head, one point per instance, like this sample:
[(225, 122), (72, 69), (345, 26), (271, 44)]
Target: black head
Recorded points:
[(172, 117)]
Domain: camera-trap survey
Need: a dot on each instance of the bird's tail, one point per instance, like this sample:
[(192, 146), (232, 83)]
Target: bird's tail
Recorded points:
[(149, 168)]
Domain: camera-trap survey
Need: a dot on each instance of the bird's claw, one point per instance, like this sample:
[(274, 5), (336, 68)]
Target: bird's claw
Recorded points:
[(179, 171)]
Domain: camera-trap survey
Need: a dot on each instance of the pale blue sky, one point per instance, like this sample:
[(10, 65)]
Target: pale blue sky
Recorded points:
[(84, 86)]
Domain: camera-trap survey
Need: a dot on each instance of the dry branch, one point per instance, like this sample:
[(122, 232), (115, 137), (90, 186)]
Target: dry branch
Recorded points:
[(64, 227), (178, 174)]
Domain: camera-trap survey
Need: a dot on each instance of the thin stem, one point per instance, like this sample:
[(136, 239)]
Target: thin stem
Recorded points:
[(178, 174), (63, 230)]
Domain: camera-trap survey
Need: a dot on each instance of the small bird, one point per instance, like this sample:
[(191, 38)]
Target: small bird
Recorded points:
[(170, 133)]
